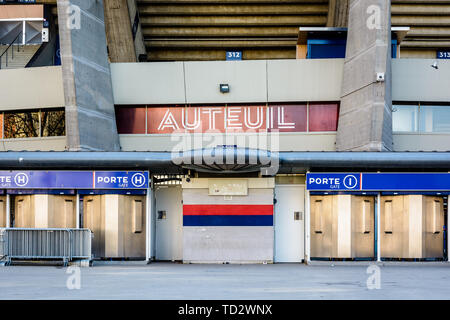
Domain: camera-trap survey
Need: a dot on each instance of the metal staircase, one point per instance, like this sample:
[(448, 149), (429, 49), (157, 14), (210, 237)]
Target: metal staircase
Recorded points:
[(16, 56)]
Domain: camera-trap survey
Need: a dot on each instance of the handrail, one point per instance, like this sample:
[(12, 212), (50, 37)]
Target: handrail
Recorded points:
[(5, 52)]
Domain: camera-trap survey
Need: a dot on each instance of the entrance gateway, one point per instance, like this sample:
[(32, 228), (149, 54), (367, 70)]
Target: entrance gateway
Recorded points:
[(112, 204), (382, 216)]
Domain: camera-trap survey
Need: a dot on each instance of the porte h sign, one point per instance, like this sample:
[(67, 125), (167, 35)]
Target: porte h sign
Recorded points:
[(74, 180)]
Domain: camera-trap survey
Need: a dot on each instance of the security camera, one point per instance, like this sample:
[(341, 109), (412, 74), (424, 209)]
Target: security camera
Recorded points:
[(380, 76), (435, 65)]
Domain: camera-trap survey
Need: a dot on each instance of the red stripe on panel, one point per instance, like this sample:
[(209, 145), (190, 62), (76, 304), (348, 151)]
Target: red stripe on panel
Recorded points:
[(223, 210)]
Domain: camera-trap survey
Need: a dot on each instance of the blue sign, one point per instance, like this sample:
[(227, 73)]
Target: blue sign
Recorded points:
[(120, 180), (234, 55), (333, 181), (74, 180), (406, 181), (443, 54), (378, 181)]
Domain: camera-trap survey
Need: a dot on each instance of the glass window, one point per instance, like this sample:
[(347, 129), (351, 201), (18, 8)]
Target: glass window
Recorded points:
[(130, 120), (405, 118), (323, 117), (288, 117), (53, 123), (328, 51), (434, 119), (21, 124)]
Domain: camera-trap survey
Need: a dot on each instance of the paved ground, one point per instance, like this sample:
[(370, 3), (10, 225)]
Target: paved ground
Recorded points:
[(177, 281)]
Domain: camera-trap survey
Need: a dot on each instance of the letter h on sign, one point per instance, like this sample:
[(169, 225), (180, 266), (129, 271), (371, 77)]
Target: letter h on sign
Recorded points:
[(138, 180)]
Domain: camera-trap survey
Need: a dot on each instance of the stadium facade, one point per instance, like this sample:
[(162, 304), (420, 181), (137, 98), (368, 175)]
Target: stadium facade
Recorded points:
[(229, 131)]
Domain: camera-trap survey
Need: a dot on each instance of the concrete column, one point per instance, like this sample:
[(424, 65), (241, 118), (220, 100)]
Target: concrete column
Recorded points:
[(139, 44), (90, 117), (337, 13), (365, 122), (118, 31)]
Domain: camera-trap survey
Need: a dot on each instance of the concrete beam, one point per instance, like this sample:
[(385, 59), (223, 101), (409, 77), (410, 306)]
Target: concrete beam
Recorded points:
[(90, 116), (221, 32), (337, 13), (118, 32), (234, 21), (233, 9), (226, 43), (365, 122), (217, 54)]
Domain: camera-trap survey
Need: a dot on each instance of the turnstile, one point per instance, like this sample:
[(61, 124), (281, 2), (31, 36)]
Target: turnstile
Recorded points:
[(118, 223), (412, 227), (44, 211), (342, 226)]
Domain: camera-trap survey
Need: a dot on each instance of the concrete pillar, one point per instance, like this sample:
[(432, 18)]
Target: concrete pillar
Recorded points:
[(136, 29), (118, 31), (337, 13), (365, 122), (90, 117)]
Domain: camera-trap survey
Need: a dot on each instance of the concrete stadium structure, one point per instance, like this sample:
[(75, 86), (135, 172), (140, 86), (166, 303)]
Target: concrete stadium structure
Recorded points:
[(251, 131)]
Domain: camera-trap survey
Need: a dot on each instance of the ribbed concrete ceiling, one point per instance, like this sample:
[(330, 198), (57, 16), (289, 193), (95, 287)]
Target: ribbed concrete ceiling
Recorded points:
[(204, 29), (430, 26)]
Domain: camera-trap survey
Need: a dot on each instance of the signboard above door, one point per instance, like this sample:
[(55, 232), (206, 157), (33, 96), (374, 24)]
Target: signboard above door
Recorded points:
[(378, 181), (74, 180)]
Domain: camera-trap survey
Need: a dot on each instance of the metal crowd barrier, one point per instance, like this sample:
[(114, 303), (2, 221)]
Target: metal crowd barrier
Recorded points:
[(45, 244)]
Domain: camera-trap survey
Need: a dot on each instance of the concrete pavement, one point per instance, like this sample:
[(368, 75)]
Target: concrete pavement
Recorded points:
[(178, 281)]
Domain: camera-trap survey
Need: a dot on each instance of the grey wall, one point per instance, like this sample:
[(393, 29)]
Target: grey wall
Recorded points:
[(421, 142), (31, 88), (34, 144), (90, 118), (416, 80), (295, 141), (250, 81)]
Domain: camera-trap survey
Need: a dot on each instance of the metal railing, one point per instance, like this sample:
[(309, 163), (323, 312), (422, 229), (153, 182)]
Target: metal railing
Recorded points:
[(5, 53), (45, 244)]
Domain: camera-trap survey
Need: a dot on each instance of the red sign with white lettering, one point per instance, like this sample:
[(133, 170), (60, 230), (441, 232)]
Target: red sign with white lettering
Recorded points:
[(201, 119)]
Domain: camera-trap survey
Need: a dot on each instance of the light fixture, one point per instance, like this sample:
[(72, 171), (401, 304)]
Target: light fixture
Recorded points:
[(435, 65), (224, 88)]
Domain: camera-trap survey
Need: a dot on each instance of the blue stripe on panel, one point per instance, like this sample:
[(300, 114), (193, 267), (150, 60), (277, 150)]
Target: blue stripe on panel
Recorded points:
[(241, 220)]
